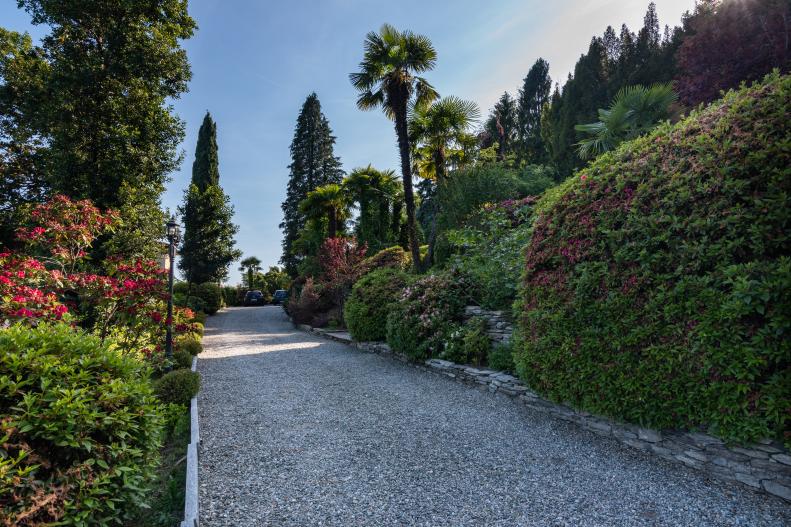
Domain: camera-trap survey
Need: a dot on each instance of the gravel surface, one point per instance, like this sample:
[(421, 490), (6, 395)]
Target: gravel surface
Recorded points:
[(298, 430)]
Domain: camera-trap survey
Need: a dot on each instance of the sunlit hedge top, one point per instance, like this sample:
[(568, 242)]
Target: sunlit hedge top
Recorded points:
[(658, 286)]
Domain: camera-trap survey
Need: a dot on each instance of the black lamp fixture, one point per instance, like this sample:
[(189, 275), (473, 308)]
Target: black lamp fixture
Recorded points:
[(174, 237)]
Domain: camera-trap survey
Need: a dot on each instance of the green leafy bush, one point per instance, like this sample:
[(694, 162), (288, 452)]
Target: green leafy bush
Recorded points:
[(391, 257), (199, 317), (469, 344), (80, 429), (429, 310), (658, 287), (212, 297), (501, 358), (182, 358), (366, 309), (177, 386), (489, 251), (189, 344)]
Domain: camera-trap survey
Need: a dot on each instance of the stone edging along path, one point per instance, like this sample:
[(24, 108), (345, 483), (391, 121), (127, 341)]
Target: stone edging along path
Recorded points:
[(764, 467), (191, 491)]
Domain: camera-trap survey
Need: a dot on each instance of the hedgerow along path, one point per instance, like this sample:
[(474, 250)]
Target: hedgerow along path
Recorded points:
[(298, 430)]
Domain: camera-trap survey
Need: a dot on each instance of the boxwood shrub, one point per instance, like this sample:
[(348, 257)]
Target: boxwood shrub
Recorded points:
[(426, 315), (658, 286), (366, 309), (80, 429), (178, 386)]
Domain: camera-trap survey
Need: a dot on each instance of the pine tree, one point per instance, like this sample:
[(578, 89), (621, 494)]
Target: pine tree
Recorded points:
[(532, 97), (208, 247), (313, 164)]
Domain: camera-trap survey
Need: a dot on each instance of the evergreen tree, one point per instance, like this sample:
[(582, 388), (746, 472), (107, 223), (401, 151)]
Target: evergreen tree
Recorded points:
[(501, 126), (206, 167), (208, 247), (533, 95), (313, 164), (111, 68)]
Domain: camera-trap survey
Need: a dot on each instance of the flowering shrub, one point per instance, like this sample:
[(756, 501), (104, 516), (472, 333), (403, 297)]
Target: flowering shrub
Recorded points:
[(26, 291), (426, 314), (658, 287), (64, 229), (366, 309)]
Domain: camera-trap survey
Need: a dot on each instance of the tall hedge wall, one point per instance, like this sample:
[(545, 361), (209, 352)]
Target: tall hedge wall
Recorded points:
[(657, 289)]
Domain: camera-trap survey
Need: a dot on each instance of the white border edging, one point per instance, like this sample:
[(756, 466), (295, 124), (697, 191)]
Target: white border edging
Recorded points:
[(191, 493)]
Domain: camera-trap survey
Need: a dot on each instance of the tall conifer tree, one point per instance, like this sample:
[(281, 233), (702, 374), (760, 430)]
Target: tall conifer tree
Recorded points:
[(313, 164), (208, 247), (532, 97)]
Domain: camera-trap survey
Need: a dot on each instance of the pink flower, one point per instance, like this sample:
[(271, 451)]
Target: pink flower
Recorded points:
[(583, 177)]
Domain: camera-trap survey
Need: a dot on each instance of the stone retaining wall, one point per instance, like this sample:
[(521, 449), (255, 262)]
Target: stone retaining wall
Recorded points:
[(764, 467), (498, 326)]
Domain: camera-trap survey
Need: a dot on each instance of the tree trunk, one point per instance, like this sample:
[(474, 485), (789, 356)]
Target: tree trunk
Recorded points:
[(440, 170), (406, 174), (332, 227)]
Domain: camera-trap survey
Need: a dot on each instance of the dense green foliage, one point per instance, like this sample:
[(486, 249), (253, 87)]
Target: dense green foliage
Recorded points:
[(488, 250), (178, 386), (468, 190), (379, 199), (468, 344), (501, 358), (658, 287), (87, 112), (423, 319), (208, 246), (313, 164), (182, 357), (211, 295), (366, 309), (80, 430)]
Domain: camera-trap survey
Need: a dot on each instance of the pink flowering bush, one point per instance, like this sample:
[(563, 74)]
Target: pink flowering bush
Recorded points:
[(428, 312)]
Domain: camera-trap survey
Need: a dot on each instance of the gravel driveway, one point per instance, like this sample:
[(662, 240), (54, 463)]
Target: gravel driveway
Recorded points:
[(298, 430)]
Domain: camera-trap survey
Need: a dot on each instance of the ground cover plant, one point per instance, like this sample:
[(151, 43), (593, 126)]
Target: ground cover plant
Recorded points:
[(657, 288)]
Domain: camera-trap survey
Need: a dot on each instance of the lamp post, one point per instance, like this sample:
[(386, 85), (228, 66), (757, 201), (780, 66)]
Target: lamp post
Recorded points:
[(173, 240)]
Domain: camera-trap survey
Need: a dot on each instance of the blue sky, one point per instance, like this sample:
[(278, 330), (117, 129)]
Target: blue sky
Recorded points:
[(254, 62)]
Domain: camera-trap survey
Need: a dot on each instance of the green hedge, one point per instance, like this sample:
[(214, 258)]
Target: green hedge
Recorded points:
[(658, 287), (80, 429), (366, 309), (178, 386)]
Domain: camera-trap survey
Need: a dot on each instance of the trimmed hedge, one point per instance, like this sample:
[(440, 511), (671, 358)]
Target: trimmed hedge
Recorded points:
[(366, 309), (80, 429), (658, 287), (178, 386)]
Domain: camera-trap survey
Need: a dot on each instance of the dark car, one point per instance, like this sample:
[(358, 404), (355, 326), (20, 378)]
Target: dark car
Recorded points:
[(254, 298), (280, 296)]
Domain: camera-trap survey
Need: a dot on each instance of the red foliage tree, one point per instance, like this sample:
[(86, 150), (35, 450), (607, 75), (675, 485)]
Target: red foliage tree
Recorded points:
[(729, 42)]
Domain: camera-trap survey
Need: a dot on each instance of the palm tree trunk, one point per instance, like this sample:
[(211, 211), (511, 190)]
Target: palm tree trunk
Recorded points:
[(406, 175), (332, 228)]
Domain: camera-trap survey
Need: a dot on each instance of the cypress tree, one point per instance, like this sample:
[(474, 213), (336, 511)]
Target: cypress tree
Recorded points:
[(206, 167), (313, 164), (532, 97), (501, 125), (208, 247)]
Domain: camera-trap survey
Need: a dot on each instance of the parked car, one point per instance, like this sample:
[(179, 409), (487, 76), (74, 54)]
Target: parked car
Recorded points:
[(254, 298), (280, 296)]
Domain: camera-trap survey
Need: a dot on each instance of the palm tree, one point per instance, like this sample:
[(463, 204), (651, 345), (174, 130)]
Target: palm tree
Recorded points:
[(440, 132), (635, 110), (441, 129), (328, 200), (250, 265), (388, 78), (376, 193)]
